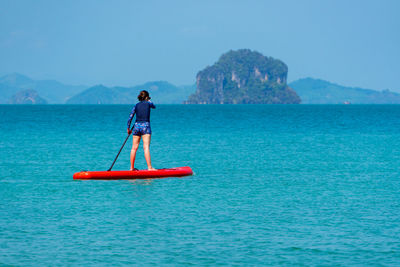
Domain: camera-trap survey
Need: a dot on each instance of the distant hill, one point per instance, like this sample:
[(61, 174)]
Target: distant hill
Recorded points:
[(27, 97), (244, 77), (98, 94), (161, 92), (315, 91), (51, 91)]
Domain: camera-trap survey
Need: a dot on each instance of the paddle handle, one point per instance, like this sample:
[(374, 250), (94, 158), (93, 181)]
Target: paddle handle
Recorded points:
[(126, 139)]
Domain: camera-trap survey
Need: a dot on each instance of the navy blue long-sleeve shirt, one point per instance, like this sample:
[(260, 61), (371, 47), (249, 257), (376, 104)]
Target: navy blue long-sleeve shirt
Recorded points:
[(142, 111)]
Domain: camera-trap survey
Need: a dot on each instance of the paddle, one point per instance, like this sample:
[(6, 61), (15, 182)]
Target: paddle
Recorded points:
[(120, 149)]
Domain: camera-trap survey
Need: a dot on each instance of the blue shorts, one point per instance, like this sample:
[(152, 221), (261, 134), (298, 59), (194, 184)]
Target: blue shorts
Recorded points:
[(141, 128)]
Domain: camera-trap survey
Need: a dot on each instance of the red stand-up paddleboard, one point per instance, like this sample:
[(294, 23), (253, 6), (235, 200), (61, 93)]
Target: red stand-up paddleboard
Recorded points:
[(129, 175)]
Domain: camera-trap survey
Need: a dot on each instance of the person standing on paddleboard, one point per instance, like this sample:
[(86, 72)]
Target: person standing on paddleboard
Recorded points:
[(141, 128)]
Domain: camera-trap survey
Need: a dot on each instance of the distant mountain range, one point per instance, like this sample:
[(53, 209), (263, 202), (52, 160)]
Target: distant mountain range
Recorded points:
[(315, 91), (20, 89), (161, 92), (51, 91)]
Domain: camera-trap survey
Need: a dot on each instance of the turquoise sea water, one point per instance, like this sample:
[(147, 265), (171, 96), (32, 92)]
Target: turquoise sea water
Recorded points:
[(273, 185)]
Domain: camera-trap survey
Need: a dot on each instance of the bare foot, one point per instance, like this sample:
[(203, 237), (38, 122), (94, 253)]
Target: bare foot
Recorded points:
[(151, 169), (134, 169)]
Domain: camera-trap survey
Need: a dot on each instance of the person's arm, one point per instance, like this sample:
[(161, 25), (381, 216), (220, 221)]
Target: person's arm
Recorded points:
[(130, 119), (151, 104)]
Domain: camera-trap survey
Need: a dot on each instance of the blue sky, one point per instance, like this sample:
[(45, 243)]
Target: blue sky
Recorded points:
[(353, 42)]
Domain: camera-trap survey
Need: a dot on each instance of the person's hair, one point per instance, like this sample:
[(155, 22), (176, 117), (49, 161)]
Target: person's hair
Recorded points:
[(144, 95)]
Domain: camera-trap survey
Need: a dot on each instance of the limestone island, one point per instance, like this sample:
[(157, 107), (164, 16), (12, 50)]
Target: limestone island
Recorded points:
[(244, 77)]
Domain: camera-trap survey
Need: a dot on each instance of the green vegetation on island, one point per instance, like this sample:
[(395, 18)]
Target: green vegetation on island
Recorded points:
[(244, 77)]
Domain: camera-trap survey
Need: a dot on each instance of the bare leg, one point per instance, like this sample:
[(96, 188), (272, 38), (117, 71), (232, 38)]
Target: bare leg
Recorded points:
[(146, 149), (135, 146)]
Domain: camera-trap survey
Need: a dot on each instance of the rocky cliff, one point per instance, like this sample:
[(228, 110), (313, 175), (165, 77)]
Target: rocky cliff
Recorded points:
[(27, 97), (244, 77)]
